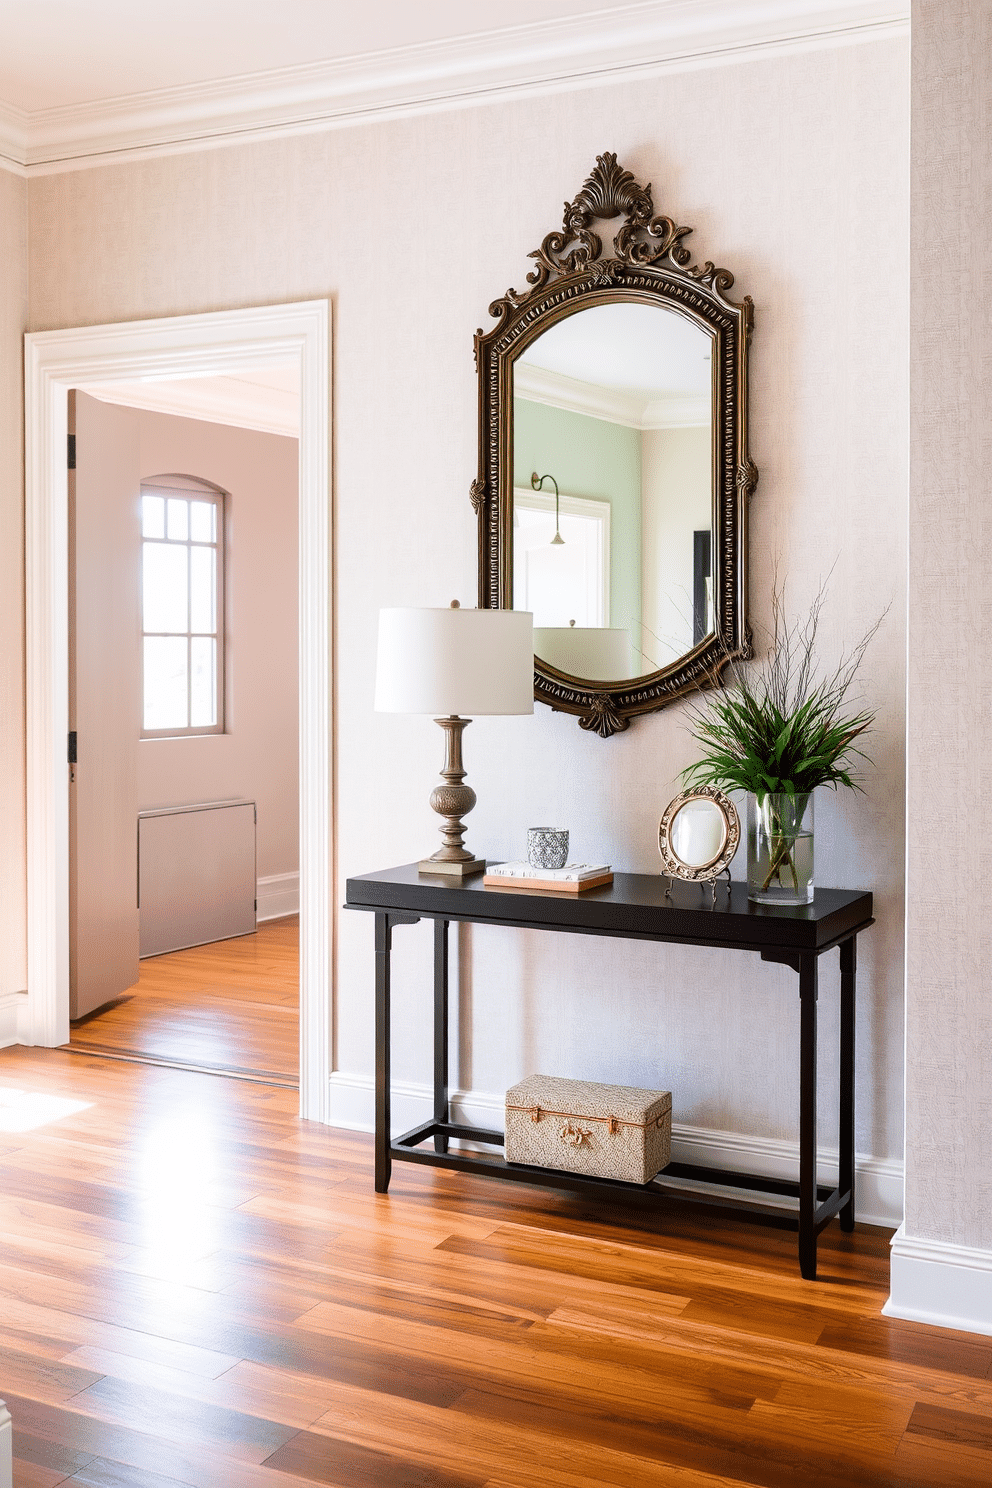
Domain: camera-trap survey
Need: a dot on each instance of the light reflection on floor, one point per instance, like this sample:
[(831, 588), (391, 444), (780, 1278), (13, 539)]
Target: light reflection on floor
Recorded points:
[(179, 1171), (27, 1110)]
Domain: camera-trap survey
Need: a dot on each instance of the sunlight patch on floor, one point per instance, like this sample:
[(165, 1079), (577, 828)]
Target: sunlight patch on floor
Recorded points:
[(27, 1110)]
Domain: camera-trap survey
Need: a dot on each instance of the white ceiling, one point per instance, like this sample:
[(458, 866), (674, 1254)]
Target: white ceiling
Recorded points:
[(639, 365), (83, 82), (633, 348), (263, 398), (55, 53)]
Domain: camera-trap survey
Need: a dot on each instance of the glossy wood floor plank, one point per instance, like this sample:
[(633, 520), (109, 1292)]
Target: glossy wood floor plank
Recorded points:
[(231, 1006), (199, 1289)]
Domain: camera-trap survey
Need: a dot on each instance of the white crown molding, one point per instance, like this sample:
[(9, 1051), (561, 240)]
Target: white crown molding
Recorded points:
[(555, 390), (614, 405), (14, 138), (933, 1281), (879, 1179), (627, 41), (218, 400), (674, 412)]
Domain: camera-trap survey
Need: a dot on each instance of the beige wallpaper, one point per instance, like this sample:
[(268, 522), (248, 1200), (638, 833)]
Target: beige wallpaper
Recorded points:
[(793, 172), (949, 949), (13, 319)]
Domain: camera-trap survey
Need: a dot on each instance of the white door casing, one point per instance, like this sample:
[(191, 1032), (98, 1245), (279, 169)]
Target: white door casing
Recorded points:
[(183, 346)]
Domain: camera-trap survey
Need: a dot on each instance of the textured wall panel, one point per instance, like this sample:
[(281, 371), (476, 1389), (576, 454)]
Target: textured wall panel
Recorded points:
[(949, 929)]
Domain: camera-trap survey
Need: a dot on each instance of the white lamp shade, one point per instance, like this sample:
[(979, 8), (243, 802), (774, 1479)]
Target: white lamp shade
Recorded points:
[(440, 662), (595, 652)]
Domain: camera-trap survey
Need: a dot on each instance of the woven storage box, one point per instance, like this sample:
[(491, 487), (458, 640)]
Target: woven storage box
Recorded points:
[(607, 1131)]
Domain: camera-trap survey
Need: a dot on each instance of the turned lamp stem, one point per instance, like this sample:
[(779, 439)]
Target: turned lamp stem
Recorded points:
[(453, 800)]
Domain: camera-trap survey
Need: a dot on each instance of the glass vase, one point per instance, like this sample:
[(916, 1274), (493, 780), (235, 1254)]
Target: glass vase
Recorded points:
[(780, 848)]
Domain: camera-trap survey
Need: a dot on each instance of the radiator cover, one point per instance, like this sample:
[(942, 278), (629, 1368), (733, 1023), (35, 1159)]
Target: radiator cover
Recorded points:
[(196, 875)]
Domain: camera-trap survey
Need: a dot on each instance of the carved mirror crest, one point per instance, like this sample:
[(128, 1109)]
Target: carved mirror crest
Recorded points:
[(614, 472)]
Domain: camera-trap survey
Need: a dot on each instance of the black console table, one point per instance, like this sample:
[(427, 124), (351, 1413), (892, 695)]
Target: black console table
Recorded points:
[(634, 907)]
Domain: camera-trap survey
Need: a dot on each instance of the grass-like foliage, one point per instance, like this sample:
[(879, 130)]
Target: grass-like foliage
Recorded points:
[(780, 727)]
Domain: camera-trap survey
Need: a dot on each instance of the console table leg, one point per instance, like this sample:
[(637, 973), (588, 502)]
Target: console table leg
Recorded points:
[(440, 1029), (807, 1115), (848, 976), (383, 1162)]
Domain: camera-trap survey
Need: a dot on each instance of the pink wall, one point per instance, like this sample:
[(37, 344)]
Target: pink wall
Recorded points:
[(257, 758)]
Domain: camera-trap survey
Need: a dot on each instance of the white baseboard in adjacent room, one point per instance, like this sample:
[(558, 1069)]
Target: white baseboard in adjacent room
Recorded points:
[(948, 1286), (277, 895), (879, 1180), (10, 1008)]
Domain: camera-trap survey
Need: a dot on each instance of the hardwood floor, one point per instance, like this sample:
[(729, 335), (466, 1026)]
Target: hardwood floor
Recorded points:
[(197, 1288), (231, 1007)]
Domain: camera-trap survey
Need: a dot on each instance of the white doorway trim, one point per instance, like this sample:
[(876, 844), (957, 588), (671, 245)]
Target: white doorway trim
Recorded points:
[(183, 346)]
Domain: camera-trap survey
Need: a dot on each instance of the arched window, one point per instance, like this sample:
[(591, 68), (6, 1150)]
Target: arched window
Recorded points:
[(182, 604)]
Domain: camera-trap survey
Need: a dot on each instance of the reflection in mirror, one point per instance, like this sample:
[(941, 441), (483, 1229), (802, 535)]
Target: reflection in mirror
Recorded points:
[(614, 402), (698, 833)]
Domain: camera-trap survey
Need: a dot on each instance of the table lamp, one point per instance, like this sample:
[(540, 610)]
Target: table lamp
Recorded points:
[(454, 664)]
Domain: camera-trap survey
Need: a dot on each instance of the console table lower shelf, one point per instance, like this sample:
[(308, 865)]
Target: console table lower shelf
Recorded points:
[(632, 907)]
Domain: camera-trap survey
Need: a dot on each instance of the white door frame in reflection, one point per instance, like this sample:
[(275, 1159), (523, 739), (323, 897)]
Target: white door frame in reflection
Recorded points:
[(592, 530)]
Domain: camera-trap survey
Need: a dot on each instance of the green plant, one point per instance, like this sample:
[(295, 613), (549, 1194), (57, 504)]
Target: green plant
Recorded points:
[(780, 728)]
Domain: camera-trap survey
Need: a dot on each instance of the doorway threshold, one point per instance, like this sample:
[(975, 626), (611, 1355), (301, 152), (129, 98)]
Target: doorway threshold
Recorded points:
[(227, 1071)]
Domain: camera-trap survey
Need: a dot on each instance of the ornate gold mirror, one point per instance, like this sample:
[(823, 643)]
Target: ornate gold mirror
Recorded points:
[(699, 835), (613, 464)]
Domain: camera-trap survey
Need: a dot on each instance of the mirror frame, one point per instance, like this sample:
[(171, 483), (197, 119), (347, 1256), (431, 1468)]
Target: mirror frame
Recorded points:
[(672, 866), (649, 264)]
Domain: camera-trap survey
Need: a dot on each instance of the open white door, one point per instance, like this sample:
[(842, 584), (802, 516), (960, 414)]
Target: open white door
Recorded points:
[(104, 702)]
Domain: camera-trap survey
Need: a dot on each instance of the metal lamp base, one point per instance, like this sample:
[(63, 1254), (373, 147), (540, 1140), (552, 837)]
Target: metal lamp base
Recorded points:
[(452, 801)]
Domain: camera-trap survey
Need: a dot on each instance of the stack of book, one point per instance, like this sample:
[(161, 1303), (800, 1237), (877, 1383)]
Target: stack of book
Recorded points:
[(571, 879)]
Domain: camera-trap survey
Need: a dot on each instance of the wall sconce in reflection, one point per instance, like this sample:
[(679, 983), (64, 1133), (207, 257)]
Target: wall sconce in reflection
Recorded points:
[(537, 484)]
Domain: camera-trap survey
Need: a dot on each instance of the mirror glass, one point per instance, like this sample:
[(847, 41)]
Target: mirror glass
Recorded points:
[(613, 405), (698, 833)]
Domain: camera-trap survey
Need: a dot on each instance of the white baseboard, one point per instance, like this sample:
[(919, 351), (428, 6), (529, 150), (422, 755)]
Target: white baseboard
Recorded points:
[(879, 1180), (6, 1448), (948, 1286), (277, 895), (11, 1007)]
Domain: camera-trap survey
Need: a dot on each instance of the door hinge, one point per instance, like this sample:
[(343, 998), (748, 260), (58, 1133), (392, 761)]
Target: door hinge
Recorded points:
[(71, 452), (72, 748)]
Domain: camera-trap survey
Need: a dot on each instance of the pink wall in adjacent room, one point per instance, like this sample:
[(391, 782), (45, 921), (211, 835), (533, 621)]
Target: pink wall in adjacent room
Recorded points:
[(257, 757)]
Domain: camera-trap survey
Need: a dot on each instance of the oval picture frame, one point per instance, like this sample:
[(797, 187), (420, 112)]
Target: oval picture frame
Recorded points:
[(675, 867)]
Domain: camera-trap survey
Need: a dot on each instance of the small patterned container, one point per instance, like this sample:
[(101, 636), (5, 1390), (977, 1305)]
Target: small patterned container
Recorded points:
[(547, 847), (578, 1126)]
